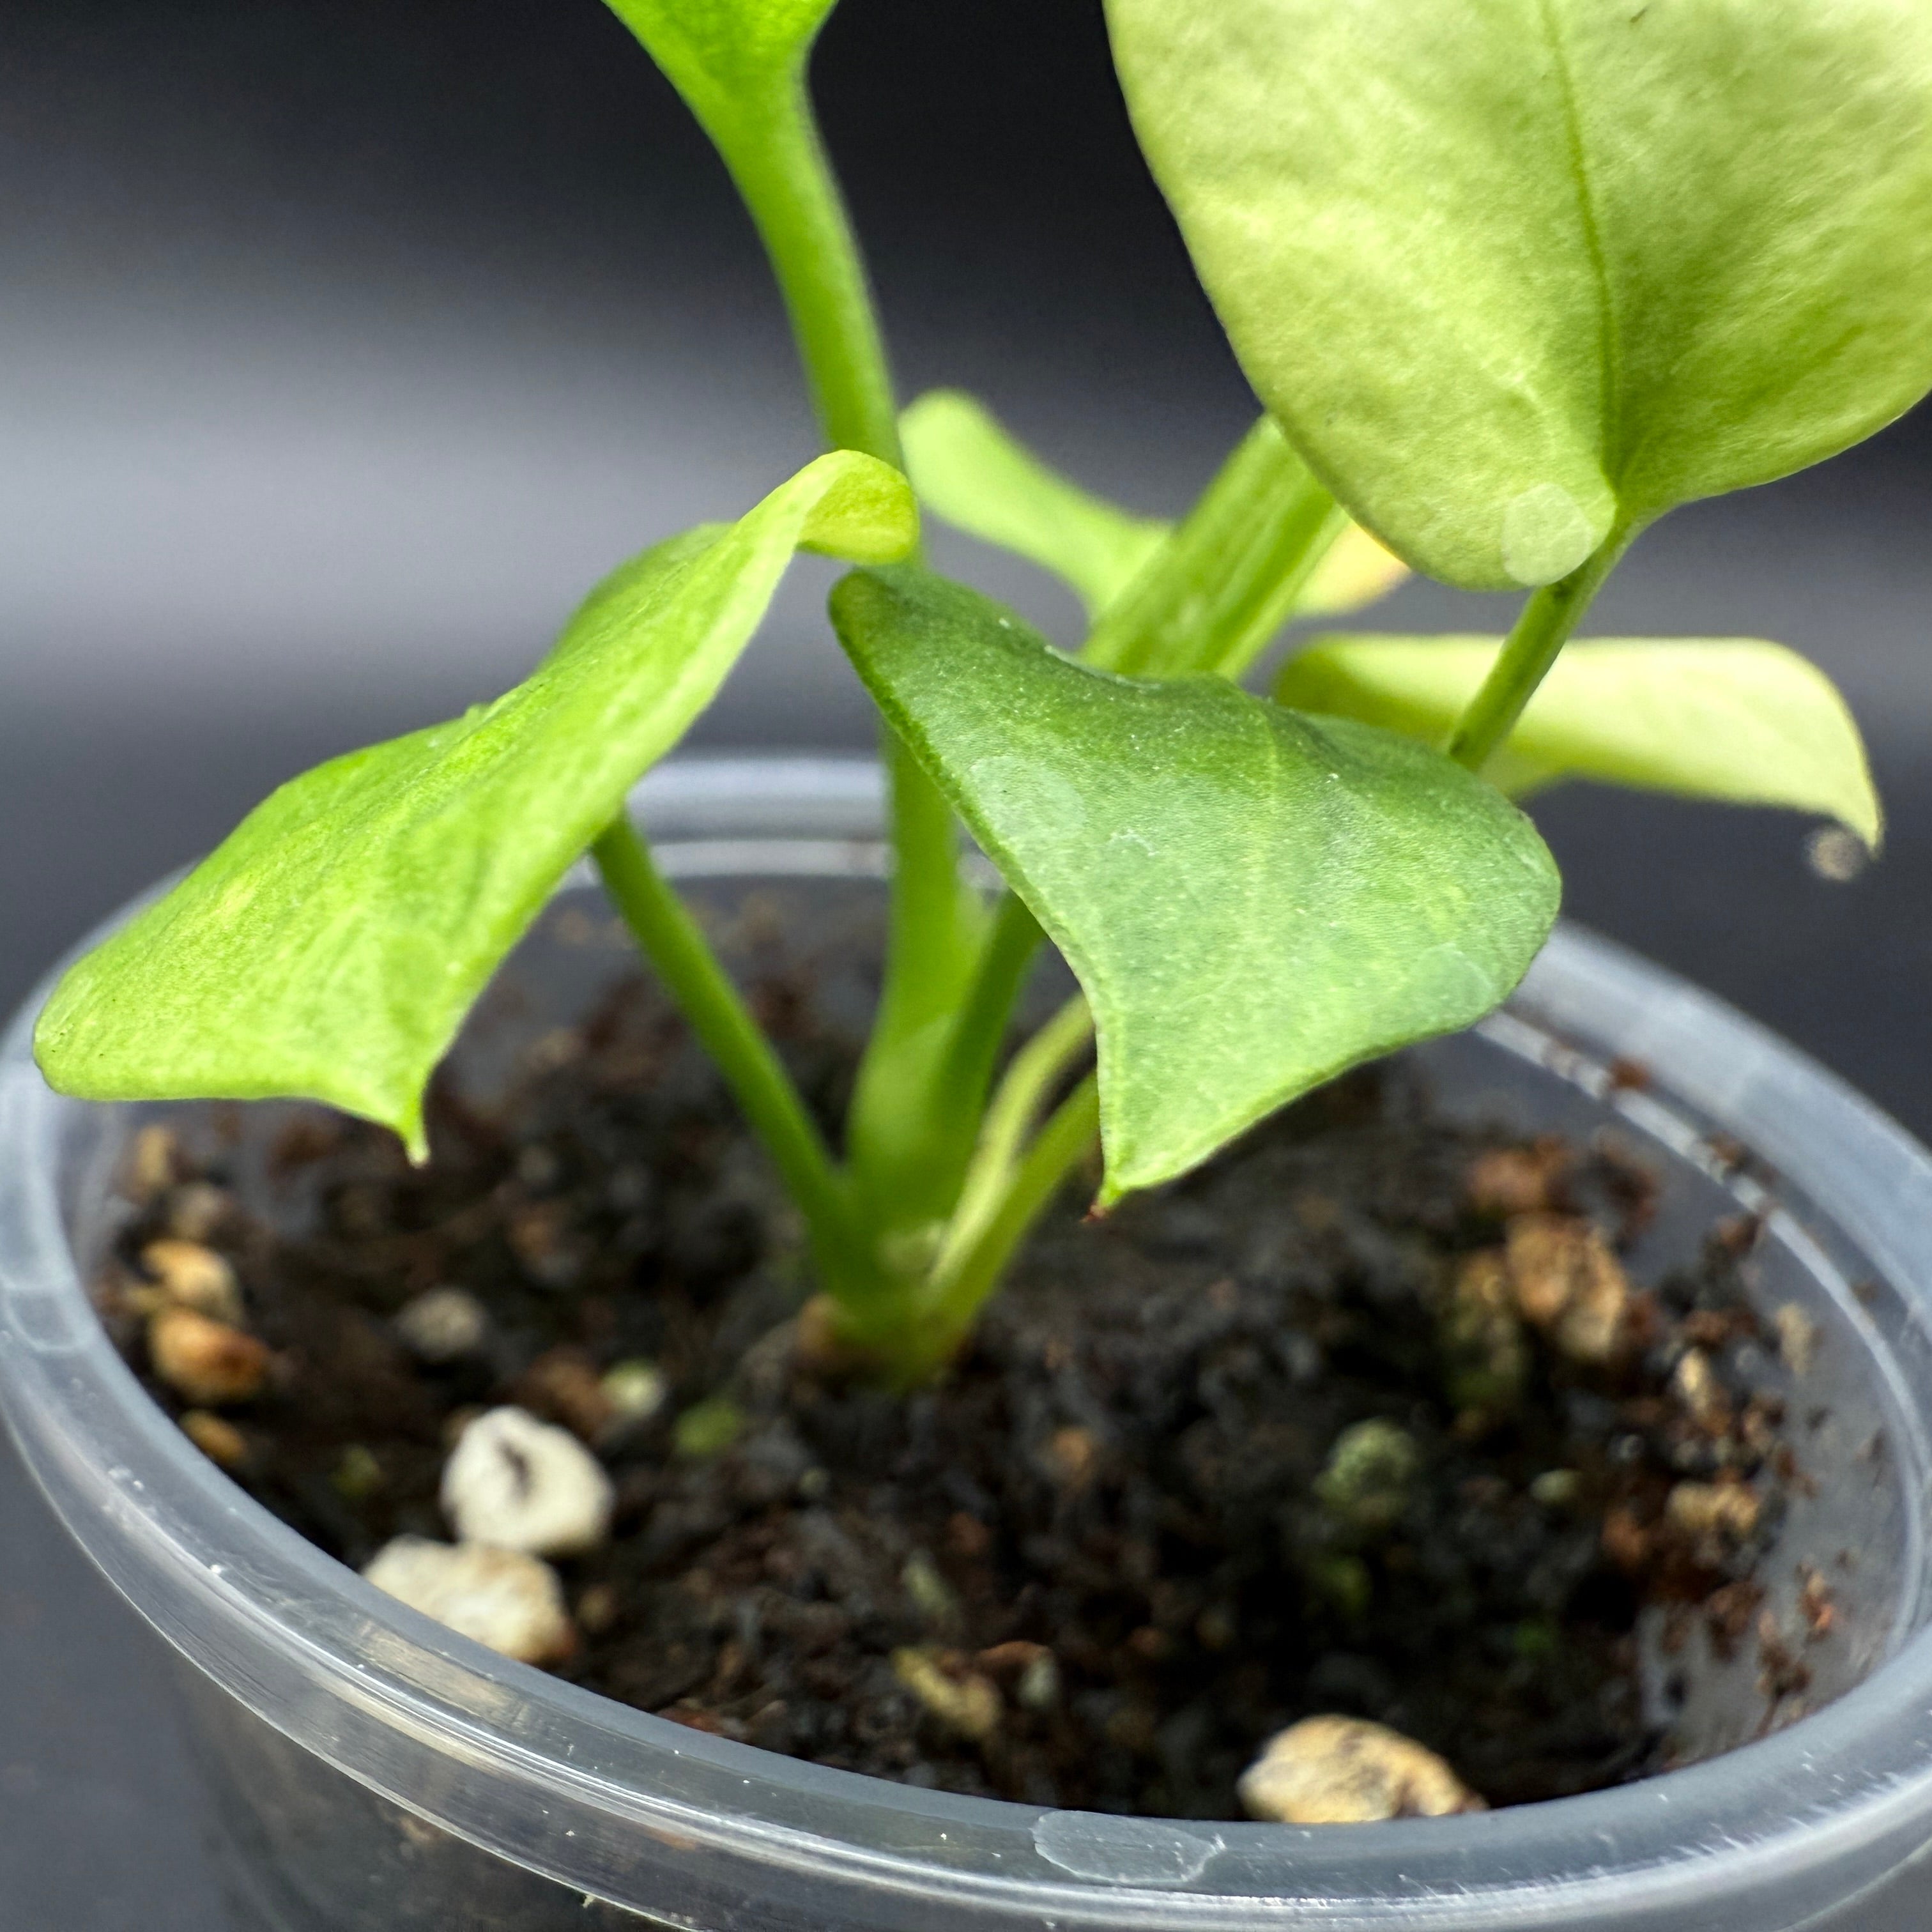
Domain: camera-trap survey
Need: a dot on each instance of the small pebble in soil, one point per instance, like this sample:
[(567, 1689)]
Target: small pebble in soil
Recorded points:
[(958, 1698), (1520, 1179), (522, 1484), (152, 1166), (216, 1437), (1370, 1479), (1555, 1488), (196, 1210), (192, 1276), (1486, 1357), (931, 1595), (442, 1325), (1718, 1518), (708, 1428), (205, 1360), (1797, 1337), (1698, 1388), (359, 1475), (1346, 1771), (1569, 1285), (511, 1601), (636, 1391)]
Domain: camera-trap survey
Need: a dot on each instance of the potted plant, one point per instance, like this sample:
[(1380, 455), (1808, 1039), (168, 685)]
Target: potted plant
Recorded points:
[(1510, 283)]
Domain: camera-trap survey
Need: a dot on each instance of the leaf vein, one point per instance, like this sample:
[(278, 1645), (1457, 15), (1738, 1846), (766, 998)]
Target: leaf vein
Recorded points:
[(1610, 337)]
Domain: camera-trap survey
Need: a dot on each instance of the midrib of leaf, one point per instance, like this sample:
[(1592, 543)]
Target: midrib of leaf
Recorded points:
[(1609, 349)]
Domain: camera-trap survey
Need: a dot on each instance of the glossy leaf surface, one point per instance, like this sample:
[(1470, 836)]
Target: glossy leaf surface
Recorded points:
[(1733, 719), (1514, 273), (330, 948), (1252, 899)]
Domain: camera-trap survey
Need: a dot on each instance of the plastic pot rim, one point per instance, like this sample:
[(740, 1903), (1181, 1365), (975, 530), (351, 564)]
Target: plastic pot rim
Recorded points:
[(311, 1649)]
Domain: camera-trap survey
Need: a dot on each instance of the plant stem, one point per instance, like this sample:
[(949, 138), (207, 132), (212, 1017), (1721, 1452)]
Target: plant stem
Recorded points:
[(1269, 586), (1214, 593), (1037, 1068), (985, 1007), (1057, 1149), (673, 942), (777, 160), (917, 1116), (905, 1139), (1539, 634)]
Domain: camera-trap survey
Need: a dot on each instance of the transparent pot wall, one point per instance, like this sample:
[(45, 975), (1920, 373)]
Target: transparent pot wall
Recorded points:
[(372, 1770)]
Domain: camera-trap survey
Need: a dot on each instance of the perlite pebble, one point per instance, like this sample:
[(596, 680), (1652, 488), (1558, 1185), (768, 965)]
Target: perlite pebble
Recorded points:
[(1570, 1284), (1346, 1771), (1797, 1337), (1716, 1517), (636, 1391), (961, 1700), (195, 1209), (217, 1438), (522, 1484), (192, 1276), (511, 1602), (442, 1325), (205, 1360)]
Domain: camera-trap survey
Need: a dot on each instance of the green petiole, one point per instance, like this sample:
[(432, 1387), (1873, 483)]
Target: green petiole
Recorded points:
[(1541, 631), (1215, 593), (671, 939)]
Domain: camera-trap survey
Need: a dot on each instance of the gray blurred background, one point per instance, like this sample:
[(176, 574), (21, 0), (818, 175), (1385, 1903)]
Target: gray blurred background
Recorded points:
[(343, 344)]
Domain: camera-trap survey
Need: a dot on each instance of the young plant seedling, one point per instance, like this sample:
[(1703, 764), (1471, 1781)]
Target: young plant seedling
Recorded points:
[(1512, 279)]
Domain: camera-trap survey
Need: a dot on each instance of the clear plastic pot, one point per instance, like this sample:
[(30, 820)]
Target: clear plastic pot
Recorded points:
[(374, 1771)]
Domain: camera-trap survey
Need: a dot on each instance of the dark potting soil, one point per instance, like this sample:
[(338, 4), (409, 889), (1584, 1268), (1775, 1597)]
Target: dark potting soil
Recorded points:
[(1109, 1553)]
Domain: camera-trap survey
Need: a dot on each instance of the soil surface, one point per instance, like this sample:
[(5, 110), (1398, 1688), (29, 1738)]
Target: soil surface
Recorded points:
[(1139, 1529)]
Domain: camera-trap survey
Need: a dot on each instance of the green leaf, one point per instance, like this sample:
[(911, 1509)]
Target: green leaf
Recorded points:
[(725, 56), (1251, 899), (968, 470), (330, 948), (1516, 273), (1730, 718)]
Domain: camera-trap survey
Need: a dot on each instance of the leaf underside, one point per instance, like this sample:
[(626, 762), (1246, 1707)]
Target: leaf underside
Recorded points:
[(331, 946), (1252, 899), (1734, 718), (1513, 274)]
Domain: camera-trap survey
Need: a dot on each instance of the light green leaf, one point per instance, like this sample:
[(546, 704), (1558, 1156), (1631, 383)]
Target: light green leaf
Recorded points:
[(968, 470), (1724, 718), (1515, 273), (1252, 899), (1356, 572), (330, 948), (725, 56)]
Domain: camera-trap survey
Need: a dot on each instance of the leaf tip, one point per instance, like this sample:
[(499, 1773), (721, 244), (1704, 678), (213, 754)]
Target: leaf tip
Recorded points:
[(1864, 813), (863, 510), (414, 1135)]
